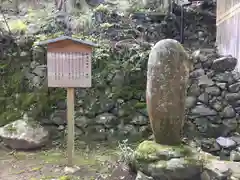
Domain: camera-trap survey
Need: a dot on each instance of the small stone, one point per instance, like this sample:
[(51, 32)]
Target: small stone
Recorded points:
[(59, 117), (237, 109), (202, 110), (217, 105), (190, 101), (235, 103), (196, 73), (231, 123), (205, 81), (106, 119), (82, 121), (209, 145), (213, 90), (121, 172), (139, 119), (236, 138), (228, 112), (226, 77), (232, 96), (218, 170), (238, 148), (226, 142), (141, 176), (202, 124), (204, 98), (234, 156), (234, 88), (221, 85), (71, 170), (227, 63), (194, 90)]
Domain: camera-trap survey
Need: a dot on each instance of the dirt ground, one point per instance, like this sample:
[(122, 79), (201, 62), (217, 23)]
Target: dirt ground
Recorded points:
[(94, 162)]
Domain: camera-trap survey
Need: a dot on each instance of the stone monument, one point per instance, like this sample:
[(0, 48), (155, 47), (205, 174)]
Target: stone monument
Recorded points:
[(167, 75)]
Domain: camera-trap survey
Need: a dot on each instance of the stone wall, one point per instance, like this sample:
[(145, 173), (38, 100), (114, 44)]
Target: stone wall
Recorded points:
[(115, 105), (213, 94)]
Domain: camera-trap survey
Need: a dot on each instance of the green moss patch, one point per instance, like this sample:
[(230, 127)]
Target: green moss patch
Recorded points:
[(151, 151)]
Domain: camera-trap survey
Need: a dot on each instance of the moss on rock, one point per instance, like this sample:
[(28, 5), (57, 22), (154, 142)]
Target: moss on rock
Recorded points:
[(151, 151), (161, 161)]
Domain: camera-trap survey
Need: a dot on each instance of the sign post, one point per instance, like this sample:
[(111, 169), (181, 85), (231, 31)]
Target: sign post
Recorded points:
[(69, 66), (70, 117)]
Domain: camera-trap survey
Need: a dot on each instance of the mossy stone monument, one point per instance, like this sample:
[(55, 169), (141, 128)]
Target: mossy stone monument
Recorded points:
[(167, 75)]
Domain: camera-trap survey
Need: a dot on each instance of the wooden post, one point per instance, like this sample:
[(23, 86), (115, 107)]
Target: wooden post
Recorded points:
[(70, 119)]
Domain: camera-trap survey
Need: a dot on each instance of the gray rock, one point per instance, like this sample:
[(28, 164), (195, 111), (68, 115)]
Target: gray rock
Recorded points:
[(204, 98), (127, 129), (197, 66), (232, 96), (202, 110), (210, 74), (226, 142), (230, 123), (95, 2), (237, 109), (141, 176), (205, 81), (24, 135), (106, 119), (176, 169), (227, 63), (194, 90), (210, 145), (213, 90), (236, 75), (226, 77), (221, 85), (144, 131), (216, 169), (202, 125), (234, 156), (196, 73), (201, 54), (59, 117), (236, 138), (139, 119), (82, 121), (121, 171), (235, 103), (190, 101), (217, 105), (96, 132), (228, 112), (234, 88)]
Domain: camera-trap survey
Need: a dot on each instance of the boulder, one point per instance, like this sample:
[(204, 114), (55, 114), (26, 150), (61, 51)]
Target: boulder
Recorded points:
[(24, 135), (226, 63)]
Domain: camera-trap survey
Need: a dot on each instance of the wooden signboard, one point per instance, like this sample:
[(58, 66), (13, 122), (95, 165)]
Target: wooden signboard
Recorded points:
[(69, 66)]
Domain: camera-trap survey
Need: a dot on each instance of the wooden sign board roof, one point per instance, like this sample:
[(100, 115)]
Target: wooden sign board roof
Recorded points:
[(67, 44)]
